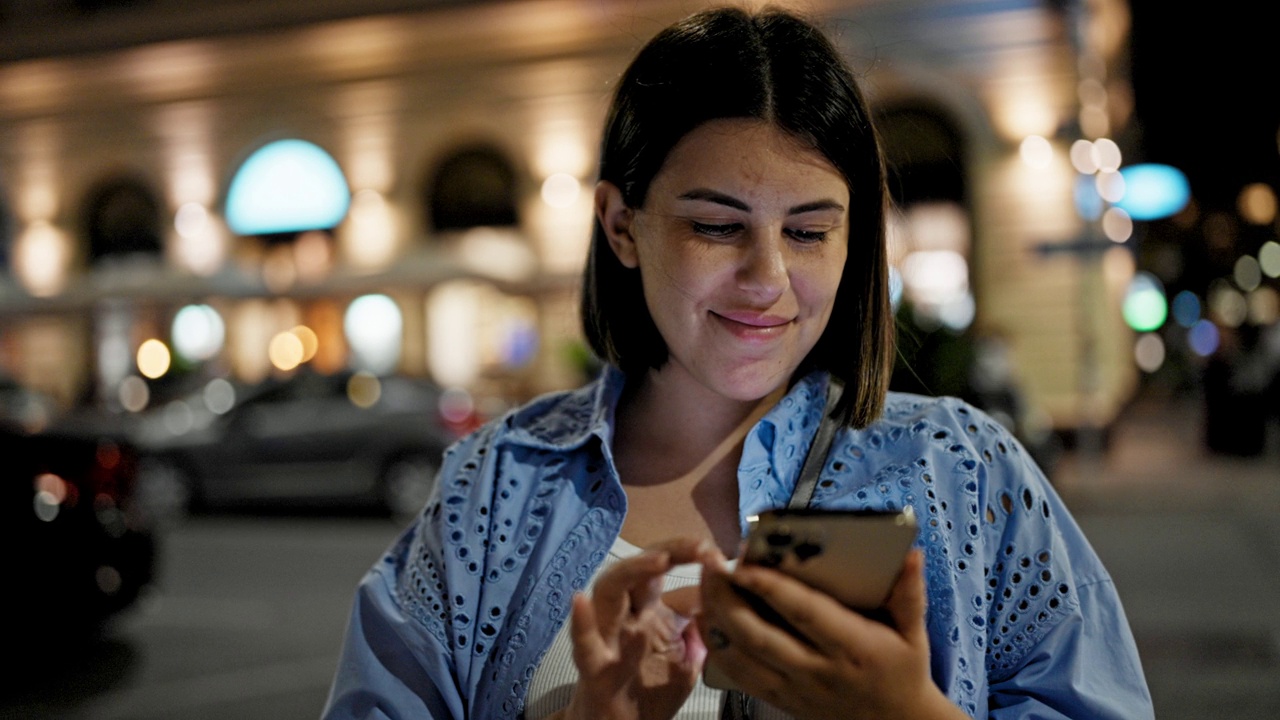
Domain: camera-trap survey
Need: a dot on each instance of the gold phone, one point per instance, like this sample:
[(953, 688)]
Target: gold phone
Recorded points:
[(855, 556)]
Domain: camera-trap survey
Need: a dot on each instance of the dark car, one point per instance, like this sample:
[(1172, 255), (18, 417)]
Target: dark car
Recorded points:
[(79, 548), (310, 441)]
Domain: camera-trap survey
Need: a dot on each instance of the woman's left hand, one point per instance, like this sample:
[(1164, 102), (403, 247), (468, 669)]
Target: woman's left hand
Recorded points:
[(851, 666)]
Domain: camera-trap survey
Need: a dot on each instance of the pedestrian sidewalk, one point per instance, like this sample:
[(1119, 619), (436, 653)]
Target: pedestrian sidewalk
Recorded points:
[(1192, 540), (1156, 460)]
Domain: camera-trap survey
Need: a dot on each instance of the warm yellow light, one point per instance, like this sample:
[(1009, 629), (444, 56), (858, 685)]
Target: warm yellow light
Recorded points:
[(1036, 151), (153, 358), (369, 232), (1264, 306), (310, 341), (201, 243), (364, 389), (285, 351), (42, 254), (561, 190), (1094, 121), (1257, 204)]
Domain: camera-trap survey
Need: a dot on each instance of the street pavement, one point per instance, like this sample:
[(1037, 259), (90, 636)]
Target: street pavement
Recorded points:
[(1192, 540), (247, 617)]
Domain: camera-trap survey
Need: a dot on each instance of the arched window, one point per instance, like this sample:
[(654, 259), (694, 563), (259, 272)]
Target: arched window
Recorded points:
[(926, 155), (474, 186), (122, 216)]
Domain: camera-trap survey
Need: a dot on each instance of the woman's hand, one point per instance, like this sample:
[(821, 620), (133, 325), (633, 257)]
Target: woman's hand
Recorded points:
[(847, 666), (637, 650)]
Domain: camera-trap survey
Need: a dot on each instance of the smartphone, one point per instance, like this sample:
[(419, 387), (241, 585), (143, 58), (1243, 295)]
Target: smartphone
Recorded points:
[(854, 556)]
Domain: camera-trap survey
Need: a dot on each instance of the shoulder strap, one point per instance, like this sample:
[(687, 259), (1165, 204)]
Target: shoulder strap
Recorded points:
[(817, 457)]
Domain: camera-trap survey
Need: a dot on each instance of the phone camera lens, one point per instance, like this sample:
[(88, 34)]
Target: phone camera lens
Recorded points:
[(780, 537)]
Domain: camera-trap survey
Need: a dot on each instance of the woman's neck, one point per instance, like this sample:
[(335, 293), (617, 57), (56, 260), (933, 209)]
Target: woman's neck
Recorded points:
[(677, 452), (689, 422)]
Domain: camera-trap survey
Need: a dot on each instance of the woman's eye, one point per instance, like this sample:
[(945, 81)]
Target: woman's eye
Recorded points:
[(808, 236), (715, 230)]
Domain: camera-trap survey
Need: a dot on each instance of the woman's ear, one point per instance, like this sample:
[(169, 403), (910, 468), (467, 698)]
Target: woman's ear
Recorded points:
[(616, 218)]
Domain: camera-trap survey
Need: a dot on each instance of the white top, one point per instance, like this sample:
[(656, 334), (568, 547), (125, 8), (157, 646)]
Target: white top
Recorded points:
[(552, 684)]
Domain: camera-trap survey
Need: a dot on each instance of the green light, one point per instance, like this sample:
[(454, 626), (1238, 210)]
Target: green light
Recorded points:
[(1145, 307)]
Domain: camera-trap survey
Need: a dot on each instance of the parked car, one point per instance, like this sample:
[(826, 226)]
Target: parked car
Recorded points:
[(79, 549), (311, 440)]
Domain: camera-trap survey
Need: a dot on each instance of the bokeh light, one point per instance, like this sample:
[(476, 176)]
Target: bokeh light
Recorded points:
[(285, 351), (1145, 307), (1089, 204), (153, 358), (1264, 306), (134, 394), (1186, 308), (198, 332), (561, 190), (1036, 151), (1083, 158), (1117, 225), (1108, 154), (1269, 259), (219, 396), (287, 186), (1149, 352), (1257, 204), (364, 389), (1203, 338), (1227, 305), (1110, 186), (310, 341), (1154, 191), (1247, 274), (373, 325)]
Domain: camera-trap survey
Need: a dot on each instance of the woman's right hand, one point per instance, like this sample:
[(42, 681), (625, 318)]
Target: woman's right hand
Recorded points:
[(637, 649)]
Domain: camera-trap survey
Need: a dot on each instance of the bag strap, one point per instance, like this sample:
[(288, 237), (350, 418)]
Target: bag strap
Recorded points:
[(738, 705), (817, 457)]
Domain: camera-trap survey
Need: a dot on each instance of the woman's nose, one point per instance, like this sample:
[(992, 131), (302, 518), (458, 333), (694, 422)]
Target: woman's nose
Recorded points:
[(763, 271)]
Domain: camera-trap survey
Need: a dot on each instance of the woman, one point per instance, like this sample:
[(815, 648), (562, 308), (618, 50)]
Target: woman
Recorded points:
[(737, 268)]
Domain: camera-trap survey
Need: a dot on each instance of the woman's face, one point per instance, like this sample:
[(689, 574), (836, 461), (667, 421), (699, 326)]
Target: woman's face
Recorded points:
[(740, 245)]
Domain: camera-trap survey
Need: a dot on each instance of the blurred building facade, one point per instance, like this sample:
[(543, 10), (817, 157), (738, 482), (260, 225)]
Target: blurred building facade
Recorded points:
[(466, 135)]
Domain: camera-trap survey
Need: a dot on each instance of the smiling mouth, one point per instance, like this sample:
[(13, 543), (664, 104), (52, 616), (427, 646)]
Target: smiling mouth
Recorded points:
[(752, 326)]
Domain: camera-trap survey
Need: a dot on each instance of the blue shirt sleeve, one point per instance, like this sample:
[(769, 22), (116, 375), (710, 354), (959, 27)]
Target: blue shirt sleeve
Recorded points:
[(390, 667), (1087, 666)]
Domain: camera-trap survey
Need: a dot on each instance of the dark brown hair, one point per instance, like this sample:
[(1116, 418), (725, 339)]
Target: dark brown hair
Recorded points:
[(776, 67)]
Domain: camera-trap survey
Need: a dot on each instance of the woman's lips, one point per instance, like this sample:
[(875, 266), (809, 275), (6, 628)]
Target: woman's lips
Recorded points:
[(752, 325)]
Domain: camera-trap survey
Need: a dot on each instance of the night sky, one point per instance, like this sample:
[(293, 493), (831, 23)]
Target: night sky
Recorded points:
[(1206, 92)]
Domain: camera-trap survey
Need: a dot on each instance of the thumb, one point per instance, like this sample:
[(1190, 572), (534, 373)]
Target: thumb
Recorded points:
[(906, 604)]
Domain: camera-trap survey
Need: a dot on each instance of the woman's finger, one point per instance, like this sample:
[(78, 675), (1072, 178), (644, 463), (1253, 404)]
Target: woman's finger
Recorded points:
[(588, 646), (821, 619), (907, 600), (731, 620)]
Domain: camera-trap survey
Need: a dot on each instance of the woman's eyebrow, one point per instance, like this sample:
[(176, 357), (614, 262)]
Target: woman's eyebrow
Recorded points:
[(816, 205), (714, 196)]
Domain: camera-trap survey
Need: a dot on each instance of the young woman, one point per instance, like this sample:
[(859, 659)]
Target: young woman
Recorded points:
[(738, 268)]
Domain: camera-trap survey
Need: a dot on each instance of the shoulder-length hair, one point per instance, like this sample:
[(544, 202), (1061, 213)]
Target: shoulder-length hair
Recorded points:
[(775, 67)]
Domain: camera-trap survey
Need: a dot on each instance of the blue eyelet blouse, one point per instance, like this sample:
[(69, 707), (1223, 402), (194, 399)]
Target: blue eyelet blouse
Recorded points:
[(1023, 619)]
